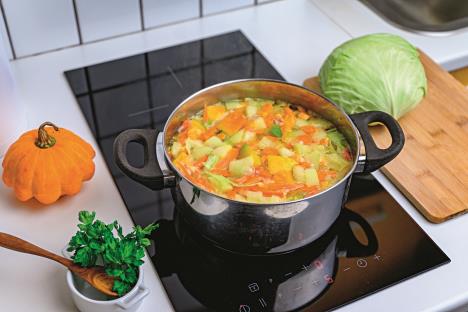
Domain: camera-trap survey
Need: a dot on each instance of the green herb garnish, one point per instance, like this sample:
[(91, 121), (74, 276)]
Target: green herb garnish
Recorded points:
[(121, 254), (276, 131)]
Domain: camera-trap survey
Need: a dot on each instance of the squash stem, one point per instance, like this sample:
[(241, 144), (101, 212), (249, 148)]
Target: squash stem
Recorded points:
[(44, 140)]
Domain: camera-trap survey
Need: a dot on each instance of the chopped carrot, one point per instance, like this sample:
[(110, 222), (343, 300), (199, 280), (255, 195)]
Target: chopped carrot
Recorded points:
[(305, 138), (270, 151), (347, 154), (303, 116), (224, 162), (309, 129), (324, 141), (266, 109), (209, 133), (199, 163), (232, 122), (221, 135), (289, 121)]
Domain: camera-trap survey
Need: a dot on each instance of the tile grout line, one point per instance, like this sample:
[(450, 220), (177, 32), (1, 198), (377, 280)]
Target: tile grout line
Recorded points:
[(7, 28), (133, 32), (200, 8), (77, 21), (331, 19), (142, 15)]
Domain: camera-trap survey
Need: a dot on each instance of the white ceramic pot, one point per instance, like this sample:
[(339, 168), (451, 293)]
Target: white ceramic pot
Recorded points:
[(87, 299)]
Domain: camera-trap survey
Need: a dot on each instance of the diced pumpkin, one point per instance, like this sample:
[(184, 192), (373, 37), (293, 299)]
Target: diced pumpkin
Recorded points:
[(232, 122), (279, 163), (214, 112)]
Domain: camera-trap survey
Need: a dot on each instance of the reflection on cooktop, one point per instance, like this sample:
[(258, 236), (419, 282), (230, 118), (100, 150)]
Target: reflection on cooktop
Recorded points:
[(374, 244)]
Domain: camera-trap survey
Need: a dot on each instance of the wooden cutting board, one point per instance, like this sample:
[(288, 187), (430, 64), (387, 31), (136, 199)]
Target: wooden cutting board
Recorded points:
[(432, 168)]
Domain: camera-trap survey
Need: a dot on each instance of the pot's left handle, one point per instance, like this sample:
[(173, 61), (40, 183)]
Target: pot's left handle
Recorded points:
[(151, 174)]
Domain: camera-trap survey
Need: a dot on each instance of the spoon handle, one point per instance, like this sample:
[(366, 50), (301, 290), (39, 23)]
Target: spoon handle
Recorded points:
[(17, 244)]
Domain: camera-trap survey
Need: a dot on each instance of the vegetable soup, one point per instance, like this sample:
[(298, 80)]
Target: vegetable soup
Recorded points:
[(261, 151)]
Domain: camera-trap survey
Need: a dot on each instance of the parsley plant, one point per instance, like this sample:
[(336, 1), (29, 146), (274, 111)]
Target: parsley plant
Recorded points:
[(121, 254)]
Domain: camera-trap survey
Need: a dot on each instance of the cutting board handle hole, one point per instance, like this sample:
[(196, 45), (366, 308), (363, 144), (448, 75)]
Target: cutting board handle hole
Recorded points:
[(381, 135)]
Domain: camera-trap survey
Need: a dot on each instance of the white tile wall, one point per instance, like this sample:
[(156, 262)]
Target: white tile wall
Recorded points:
[(5, 43), (99, 19), (38, 26), (160, 12), (216, 6)]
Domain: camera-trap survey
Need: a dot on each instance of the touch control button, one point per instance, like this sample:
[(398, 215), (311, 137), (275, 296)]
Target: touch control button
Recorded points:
[(244, 308), (361, 263)]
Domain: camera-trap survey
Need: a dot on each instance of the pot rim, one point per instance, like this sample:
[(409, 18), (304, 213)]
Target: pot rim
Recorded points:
[(71, 286), (344, 178)]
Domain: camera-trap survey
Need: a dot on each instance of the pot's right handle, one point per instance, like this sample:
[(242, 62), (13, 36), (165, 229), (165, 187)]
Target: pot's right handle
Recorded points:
[(377, 157), (150, 174)]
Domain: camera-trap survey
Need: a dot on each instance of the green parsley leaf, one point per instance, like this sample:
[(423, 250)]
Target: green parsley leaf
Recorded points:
[(275, 130), (120, 254)]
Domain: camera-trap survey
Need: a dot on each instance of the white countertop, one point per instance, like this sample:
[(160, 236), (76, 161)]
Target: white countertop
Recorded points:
[(295, 36)]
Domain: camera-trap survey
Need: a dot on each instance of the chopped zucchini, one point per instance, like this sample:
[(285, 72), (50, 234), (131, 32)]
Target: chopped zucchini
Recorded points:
[(211, 161), (299, 174), (301, 122), (241, 167), (221, 184), (321, 123), (199, 152), (251, 111), (265, 142), (259, 123), (230, 105), (236, 138), (311, 177), (222, 150), (248, 136), (191, 144), (286, 152), (214, 142), (313, 157), (335, 162), (176, 148)]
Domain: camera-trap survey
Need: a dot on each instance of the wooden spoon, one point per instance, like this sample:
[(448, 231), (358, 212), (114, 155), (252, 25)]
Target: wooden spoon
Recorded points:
[(95, 276)]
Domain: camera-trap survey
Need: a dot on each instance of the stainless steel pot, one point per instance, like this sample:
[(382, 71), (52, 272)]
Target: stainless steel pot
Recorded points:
[(254, 228)]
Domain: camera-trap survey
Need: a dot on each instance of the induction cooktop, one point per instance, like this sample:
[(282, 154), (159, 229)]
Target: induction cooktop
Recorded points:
[(374, 244)]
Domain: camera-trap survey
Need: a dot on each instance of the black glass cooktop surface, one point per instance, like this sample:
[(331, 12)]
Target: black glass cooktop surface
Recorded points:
[(374, 243)]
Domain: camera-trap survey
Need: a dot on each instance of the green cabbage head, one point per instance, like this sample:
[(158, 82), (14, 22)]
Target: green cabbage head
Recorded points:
[(374, 72)]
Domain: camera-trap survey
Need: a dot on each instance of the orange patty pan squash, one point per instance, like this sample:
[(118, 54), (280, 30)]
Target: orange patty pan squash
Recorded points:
[(47, 163)]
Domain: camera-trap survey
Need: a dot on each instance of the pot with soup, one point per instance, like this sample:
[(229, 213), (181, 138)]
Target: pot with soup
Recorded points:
[(258, 166)]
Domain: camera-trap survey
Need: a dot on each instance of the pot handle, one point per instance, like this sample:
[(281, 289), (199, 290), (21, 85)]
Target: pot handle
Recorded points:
[(377, 157), (150, 175), (348, 241), (141, 293)]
